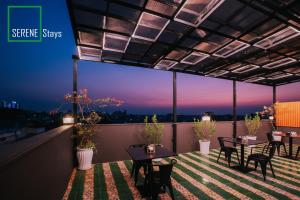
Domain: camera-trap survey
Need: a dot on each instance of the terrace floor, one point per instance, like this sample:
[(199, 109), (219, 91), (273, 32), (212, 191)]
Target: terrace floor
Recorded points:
[(194, 177)]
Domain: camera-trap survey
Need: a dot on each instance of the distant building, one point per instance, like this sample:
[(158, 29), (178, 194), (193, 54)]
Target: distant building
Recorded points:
[(9, 104)]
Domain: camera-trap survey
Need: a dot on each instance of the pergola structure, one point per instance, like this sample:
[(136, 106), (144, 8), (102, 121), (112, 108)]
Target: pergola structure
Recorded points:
[(239, 40)]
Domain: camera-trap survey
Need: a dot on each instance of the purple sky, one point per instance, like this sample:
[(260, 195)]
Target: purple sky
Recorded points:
[(39, 74)]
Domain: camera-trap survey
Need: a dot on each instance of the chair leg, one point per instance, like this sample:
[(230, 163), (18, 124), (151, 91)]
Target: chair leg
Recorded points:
[(297, 152), (136, 173), (132, 169), (272, 169), (268, 147), (237, 154), (219, 156), (285, 149), (278, 150), (229, 159), (169, 185), (248, 160), (263, 166), (264, 148), (256, 163)]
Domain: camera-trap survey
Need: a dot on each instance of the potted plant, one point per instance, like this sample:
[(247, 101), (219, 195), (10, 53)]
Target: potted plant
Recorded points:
[(86, 147), (154, 132), (269, 111), (204, 130), (252, 124), (85, 128)]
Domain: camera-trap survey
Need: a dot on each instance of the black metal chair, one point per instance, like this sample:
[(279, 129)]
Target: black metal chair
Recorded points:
[(263, 160), (227, 150), (162, 179), (137, 165), (298, 150), (277, 144)]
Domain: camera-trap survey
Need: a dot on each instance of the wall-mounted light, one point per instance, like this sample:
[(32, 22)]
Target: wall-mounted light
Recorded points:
[(68, 119), (206, 118)]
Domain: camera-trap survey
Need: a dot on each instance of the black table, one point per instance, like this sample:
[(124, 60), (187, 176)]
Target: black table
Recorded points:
[(291, 137), (240, 142), (140, 154)]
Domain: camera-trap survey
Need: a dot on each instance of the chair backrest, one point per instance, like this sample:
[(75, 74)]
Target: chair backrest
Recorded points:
[(136, 145), (272, 151), (270, 136), (166, 170), (221, 141)]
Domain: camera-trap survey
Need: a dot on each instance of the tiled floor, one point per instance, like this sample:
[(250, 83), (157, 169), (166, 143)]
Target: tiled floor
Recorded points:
[(194, 177)]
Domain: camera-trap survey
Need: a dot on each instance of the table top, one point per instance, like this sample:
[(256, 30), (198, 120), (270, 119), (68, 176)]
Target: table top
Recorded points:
[(139, 153), (286, 135), (241, 142)]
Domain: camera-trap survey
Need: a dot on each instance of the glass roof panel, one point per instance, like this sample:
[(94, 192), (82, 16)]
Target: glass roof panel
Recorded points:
[(86, 53), (194, 58), (278, 37), (94, 4), (279, 63), (254, 79), (149, 27), (231, 49), (90, 38), (294, 70), (245, 68), (119, 25), (278, 75), (89, 19), (165, 64), (177, 54), (218, 73), (115, 42), (193, 12), (164, 7)]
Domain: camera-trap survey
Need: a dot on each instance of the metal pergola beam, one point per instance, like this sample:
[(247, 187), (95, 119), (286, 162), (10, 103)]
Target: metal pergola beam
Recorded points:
[(274, 94), (74, 106), (234, 116), (174, 125)]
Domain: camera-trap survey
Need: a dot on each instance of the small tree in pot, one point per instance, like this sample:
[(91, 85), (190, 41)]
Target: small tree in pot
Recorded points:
[(252, 124), (204, 130), (85, 128), (154, 131)]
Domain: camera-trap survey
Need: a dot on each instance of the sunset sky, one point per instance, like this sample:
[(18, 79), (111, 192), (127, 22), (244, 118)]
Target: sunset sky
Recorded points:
[(39, 74)]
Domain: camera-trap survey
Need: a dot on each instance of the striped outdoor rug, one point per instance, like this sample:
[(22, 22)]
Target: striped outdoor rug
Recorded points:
[(194, 177)]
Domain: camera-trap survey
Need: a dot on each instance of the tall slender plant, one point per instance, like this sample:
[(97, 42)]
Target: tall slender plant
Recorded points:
[(154, 130), (252, 124), (204, 129)]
